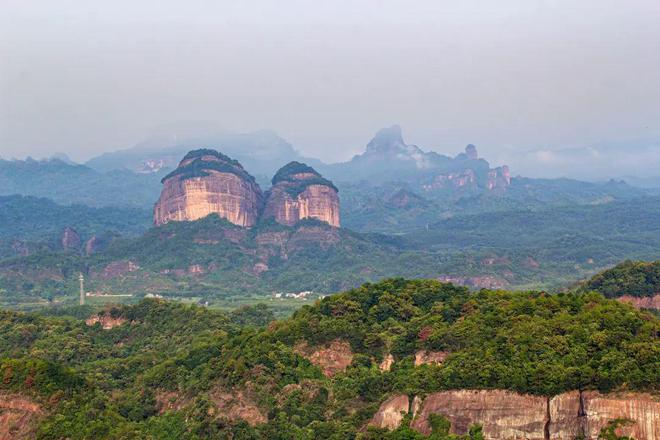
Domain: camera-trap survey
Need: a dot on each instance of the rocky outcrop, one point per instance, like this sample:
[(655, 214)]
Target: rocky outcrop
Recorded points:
[(106, 320), (502, 414), (459, 179), (236, 405), (298, 193), (508, 415), (391, 412), (643, 410), (332, 359), (643, 302), (207, 182), (499, 178), (92, 245), (70, 240), (423, 357), (18, 416), (386, 364)]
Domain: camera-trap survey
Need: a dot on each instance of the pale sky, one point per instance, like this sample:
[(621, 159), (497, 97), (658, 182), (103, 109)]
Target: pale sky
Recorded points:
[(536, 84)]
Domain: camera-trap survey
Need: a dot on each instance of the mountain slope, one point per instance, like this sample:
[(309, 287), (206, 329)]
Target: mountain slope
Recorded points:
[(218, 261), (65, 183), (178, 372), (30, 224)]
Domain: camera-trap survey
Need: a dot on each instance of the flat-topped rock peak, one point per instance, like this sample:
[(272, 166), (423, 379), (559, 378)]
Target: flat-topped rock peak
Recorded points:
[(208, 182), (300, 192)]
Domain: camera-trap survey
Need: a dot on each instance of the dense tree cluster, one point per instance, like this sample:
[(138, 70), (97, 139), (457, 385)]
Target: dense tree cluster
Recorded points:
[(634, 278), (118, 383)]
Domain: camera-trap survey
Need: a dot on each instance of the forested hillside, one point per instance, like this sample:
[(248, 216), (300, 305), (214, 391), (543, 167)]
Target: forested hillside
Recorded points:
[(215, 260), (634, 282), (165, 371)]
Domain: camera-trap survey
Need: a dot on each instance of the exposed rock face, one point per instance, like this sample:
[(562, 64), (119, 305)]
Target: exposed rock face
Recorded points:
[(642, 409), (391, 412), (238, 405), (499, 178), (386, 364), (207, 182), (508, 415), (459, 179), (566, 416), (332, 359), (17, 417), (70, 240), (646, 302), (106, 320), (388, 146), (299, 192), (502, 414), (430, 357)]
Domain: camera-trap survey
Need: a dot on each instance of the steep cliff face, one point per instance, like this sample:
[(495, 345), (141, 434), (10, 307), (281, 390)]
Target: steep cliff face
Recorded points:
[(502, 414), (299, 192), (643, 411), (208, 182), (508, 415), (391, 412), (70, 240)]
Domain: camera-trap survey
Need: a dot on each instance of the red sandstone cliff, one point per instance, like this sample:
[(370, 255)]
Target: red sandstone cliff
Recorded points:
[(502, 414), (207, 182), (299, 192), (508, 415)]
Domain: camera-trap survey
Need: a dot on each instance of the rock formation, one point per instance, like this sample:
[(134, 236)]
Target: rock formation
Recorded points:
[(391, 412), (331, 359), (499, 178), (430, 357), (386, 364), (70, 240), (299, 192), (507, 415), (642, 302), (502, 414), (106, 320), (208, 182)]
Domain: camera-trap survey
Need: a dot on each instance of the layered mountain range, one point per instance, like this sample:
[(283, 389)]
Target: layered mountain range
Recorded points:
[(207, 182)]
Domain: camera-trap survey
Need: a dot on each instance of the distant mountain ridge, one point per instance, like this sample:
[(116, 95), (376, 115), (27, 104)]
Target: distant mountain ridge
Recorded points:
[(260, 151), (371, 184)]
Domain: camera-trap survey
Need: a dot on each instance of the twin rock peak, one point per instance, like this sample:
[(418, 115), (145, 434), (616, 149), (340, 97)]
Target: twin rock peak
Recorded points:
[(208, 182)]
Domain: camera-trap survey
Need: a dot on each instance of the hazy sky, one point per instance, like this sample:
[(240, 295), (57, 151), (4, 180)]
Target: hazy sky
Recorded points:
[(537, 84)]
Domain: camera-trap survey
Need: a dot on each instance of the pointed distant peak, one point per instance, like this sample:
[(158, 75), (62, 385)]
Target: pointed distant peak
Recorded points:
[(471, 152), (386, 139), (392, 132)]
